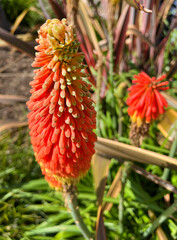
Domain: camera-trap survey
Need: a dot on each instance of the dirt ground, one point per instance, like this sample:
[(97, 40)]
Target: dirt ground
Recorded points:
[(15, 74)]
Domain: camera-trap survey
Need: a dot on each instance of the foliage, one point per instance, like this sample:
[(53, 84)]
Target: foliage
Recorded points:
[(31, 210)]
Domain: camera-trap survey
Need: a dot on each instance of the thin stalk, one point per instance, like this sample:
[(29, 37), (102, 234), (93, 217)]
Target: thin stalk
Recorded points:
[(71, 201), (98, 91), (111, 13), (121, 207), (172, 153), (111, 61), (111, 72), (41, 4), (120, 120), (158, 221), (111, 64)]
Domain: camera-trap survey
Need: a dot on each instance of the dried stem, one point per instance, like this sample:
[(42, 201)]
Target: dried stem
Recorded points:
[(165, 184), (72, 9), (71, 201)]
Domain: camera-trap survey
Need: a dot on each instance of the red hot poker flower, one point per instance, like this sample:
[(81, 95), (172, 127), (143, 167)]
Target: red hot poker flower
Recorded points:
[(62, 116), (145, 101)]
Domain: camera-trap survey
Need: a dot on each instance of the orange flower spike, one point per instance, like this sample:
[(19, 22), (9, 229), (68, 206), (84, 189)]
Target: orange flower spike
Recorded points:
[(145, 101), (62, 116)]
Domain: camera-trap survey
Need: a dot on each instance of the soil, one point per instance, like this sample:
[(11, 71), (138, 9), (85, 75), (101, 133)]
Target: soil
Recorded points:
[(15, 74)]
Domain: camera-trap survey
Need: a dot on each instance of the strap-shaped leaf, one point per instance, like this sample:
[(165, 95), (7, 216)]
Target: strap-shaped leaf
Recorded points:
[(110, 148)]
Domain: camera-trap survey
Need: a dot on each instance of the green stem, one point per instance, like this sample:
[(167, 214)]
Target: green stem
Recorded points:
[(111, 61), (111, 76), (120, 121), (165, 174), (172, 153), (71, 201), (158, 221), (111, 65), (121, 207)]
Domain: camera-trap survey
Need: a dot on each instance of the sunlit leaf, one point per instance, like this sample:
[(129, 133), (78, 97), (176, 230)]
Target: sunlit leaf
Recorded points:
[(116, 149)]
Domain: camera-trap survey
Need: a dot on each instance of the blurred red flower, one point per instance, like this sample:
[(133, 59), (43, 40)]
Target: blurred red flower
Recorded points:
[(145, 101), (62, 116)]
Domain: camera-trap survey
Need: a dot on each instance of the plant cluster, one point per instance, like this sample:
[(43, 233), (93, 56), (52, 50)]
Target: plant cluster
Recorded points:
[(130, 57)]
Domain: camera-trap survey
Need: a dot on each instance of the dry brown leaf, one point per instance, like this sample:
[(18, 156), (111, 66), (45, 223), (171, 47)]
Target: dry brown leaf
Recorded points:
[(27, 37), (88, 26), (6, 126), (109, 148), (114, 190), (132, 29), (15, 98), (171, 101), (16, 74), (100, 167), (168, 123)]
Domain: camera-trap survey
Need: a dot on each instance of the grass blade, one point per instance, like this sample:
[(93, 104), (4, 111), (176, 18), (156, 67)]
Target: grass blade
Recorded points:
[(158, 221)]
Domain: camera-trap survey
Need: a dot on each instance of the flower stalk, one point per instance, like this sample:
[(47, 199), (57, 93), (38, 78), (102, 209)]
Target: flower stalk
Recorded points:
[(71, 201)]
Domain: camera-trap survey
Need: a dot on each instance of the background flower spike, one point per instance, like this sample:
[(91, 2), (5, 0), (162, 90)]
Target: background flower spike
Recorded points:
[(145, 104)]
